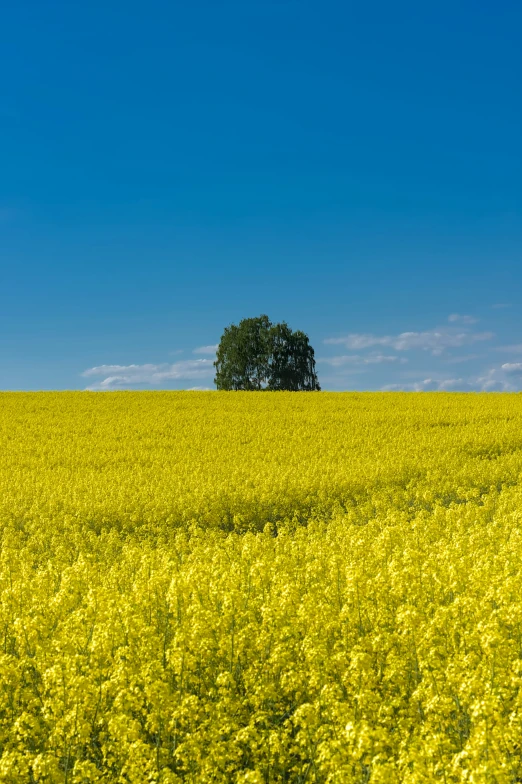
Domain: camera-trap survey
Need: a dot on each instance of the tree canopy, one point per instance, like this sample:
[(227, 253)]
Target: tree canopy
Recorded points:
[(258, 355)]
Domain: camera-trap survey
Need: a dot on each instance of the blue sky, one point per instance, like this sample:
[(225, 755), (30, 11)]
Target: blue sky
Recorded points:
[(168, 168)]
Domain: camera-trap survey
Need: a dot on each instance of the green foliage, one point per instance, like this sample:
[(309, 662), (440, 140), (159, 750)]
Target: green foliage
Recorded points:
[(243, 355), (258, 355)]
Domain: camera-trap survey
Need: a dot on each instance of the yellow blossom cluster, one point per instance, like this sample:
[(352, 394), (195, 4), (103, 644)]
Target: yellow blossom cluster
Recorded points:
[(260, 587)]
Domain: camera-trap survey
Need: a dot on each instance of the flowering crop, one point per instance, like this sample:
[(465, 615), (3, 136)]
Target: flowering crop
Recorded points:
[(260, 587)]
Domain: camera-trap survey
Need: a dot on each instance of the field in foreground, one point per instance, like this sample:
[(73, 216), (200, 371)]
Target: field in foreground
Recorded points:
[(260, 587)]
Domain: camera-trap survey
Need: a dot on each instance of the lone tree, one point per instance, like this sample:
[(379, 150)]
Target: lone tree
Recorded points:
[(259, 355)]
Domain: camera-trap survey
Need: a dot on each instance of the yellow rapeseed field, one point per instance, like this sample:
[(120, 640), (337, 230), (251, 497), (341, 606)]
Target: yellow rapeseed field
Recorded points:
[(260, 587)]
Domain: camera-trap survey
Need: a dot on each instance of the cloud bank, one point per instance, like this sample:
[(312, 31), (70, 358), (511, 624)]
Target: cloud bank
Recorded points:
[(507, 378), (125, 376), (435, 341)]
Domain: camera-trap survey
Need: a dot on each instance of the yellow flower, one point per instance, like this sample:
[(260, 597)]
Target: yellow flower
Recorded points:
[(243, 588)]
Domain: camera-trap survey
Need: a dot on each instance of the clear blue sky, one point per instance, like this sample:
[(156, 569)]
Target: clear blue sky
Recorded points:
[(168, 168)]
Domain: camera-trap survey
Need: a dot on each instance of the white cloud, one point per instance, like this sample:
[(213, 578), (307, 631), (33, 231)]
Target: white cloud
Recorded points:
[(205, 350), (436, 341), (431, 385), (515, 348), (449, 384), (496, 380), (512, 368), (124, 376), (456, 317), (357, 359), (493, 380), (357, 341)]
